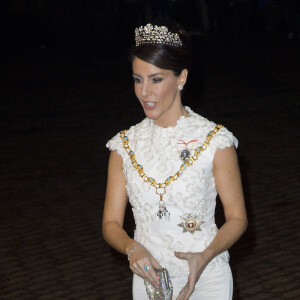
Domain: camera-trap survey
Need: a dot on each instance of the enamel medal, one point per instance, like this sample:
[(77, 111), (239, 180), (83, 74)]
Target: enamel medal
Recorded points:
[(185, 149), (185, 155)]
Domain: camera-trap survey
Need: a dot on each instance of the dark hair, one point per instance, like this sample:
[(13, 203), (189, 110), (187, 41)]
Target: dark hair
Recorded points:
[(166, 57)]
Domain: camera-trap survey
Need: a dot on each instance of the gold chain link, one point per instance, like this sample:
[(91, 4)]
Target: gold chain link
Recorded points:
[(170, 179)]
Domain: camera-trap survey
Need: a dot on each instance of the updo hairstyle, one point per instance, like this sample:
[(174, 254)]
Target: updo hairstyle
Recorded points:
[(166, 57)]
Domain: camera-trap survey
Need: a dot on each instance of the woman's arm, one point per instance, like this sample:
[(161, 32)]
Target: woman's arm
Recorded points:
[(113, 219), (115, 206), (228, 182)]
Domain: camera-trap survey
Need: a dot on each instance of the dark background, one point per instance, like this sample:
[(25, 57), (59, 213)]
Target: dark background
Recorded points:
[(66, 89)]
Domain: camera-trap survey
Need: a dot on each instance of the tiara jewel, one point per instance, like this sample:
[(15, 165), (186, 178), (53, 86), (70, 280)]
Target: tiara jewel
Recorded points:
[(150, 34)]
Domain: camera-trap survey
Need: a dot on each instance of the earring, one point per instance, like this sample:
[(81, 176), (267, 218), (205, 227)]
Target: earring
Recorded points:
[(180, 87)]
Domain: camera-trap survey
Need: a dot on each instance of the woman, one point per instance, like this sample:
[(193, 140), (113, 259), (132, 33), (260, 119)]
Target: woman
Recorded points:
[(171, 166)]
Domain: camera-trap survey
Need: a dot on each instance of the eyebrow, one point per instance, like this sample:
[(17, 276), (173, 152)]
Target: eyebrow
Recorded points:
[(150, 76)]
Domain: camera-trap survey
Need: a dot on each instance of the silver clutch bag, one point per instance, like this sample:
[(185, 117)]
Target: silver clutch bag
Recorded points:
[(165, 290)]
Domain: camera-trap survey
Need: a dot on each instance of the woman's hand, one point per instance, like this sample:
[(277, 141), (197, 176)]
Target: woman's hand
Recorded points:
[(140, 258), (197, 263)]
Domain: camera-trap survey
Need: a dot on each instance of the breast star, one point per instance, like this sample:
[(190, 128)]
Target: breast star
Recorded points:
[(190, 223)]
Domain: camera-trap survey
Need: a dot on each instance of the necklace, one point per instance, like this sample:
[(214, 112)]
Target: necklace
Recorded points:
[(160, 188)]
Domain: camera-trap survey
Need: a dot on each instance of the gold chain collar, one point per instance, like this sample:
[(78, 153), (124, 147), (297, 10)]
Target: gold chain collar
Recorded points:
[(170, 179)]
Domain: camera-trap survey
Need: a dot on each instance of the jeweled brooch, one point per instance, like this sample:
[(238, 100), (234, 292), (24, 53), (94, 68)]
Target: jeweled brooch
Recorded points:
[(184, 149), (190, 223), (185, 155)]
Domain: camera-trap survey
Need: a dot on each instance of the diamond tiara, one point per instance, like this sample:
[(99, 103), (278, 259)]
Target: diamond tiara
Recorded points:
[(150, 34)]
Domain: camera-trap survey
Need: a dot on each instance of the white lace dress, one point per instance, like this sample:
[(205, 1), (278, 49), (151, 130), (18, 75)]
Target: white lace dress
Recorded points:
[(192, 195)]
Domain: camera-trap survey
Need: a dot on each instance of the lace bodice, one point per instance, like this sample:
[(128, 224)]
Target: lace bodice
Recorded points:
[(157, 149)]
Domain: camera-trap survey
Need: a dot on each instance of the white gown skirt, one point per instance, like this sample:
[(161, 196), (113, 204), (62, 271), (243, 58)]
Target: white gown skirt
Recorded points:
[(214, 285)]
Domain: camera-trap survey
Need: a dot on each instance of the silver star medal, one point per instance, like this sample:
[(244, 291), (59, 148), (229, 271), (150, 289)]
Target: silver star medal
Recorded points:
[(190, 223)]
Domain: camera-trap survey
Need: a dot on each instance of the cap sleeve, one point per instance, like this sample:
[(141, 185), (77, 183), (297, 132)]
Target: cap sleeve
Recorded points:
[(115, 144), (223, 139)]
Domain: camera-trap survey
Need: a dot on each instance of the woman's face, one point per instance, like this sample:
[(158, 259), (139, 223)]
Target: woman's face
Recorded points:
[(157, 91)]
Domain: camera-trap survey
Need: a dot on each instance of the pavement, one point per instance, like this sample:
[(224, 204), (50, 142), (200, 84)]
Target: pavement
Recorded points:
[(55, 119)]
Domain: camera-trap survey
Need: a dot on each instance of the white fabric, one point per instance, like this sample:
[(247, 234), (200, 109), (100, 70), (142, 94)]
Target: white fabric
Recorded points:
[(214, 285), (157, 149)]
